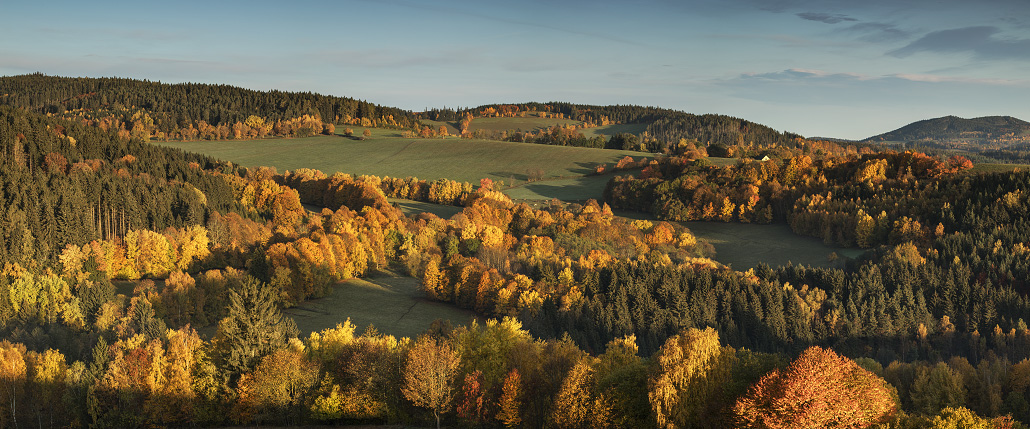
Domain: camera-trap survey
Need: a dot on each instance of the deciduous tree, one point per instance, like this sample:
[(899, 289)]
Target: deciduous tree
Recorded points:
[(819, 389), (428, 374)]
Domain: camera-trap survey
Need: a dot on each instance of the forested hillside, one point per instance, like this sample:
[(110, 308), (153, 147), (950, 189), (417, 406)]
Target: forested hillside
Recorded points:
[(191, 110), (988, 129), (667, 127), (143, 286)]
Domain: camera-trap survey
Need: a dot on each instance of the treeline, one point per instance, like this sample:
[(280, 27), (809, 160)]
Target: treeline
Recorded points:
[(664, 125), (492, 375), (173, 110)]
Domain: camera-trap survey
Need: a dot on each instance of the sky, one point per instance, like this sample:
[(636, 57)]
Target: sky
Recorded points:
[(844, 69)]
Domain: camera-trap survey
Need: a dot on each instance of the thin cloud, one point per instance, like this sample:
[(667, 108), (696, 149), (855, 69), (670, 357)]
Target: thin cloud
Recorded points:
[(822, 77), (980, 41), (798, 74), (877, 32), (827, 18), (931, 78)]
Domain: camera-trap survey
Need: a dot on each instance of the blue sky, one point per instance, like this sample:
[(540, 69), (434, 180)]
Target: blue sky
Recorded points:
[(848, 69)]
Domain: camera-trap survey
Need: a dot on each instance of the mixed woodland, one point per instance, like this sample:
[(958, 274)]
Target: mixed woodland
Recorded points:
[(143, 286)]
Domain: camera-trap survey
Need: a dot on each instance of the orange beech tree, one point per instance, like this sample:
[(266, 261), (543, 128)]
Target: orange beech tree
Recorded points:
[(819, 389)]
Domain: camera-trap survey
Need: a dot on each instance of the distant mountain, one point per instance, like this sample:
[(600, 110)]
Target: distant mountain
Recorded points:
[(952, 129)]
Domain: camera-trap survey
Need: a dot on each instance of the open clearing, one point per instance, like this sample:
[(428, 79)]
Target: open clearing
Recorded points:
[(387, 154), (409, 207), (611, 130), (744, 245), (571, 189), (997, 168), (390, 302)]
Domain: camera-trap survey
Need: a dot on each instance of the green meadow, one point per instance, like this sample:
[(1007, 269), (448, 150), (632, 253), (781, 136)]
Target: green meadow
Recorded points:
[(392, 303), (386, 153), (997, 168)]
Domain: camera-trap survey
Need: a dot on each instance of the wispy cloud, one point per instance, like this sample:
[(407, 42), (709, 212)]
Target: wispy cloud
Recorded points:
[(814, 76), (931, 78), (827, 18), (877, 32), (799, 74), (982, 42)]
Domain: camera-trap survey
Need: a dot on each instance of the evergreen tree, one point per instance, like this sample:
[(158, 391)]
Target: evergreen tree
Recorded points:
[(254, 326)]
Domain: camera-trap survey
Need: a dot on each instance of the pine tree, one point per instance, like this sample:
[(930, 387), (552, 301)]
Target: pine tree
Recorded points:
[(254, 326)]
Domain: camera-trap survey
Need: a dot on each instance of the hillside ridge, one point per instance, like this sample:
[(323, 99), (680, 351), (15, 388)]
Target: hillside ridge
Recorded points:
[(950, 128)]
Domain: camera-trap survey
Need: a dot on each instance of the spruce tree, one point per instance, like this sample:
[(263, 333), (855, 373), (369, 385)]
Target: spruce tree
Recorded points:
[(254, 326)]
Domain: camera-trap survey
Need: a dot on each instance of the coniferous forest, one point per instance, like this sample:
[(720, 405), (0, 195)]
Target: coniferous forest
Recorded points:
[(143, 286)]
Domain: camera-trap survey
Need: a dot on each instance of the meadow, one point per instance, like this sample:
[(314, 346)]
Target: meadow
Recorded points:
[(745, 245), (392, 303), (611, 130), (386, 153), (996, 168)]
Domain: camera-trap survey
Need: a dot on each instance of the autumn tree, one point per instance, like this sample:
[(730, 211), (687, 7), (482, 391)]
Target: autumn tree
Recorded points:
[(819, 389), (692, 369), (575, 405), (511, 400), (280, 383), (12, 379), (472, 406), (46, 373), (428, 373), (963, 418)]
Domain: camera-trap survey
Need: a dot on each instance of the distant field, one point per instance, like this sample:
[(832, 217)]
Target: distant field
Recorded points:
[(745, 245), (572, 189), (385, 153), (723, 162), (409, 207), (390, 302), (997, 168), (611, 130)]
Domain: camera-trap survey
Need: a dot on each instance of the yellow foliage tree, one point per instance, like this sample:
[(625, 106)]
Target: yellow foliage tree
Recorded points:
[(428, 374), (691, 370)]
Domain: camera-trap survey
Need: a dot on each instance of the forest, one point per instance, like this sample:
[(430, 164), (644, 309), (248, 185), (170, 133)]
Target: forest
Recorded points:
[(144, 286)]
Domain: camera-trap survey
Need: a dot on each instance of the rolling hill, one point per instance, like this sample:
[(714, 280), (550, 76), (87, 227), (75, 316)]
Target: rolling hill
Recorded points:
[(952, 129)]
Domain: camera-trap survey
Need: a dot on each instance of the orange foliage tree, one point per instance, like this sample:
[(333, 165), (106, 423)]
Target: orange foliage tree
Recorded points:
[(819, 389)]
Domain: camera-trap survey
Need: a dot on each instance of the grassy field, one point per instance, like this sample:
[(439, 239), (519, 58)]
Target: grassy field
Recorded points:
[(409, 207), (745, 245), (390, 302), (611, 130), (571, 189), (385, 153), (997, 168)]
